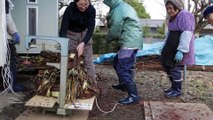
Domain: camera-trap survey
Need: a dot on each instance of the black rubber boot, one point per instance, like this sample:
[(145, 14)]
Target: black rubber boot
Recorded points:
[(122, 87), (133, 97), (172, 85)]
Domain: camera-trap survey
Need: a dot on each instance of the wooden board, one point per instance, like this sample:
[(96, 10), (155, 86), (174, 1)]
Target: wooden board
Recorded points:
[(147, 111), (81, 104), (57, 65), (41, 101), (49, 102)]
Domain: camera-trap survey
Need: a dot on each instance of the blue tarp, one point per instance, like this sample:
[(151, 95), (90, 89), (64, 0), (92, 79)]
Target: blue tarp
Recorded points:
[(203, 51)]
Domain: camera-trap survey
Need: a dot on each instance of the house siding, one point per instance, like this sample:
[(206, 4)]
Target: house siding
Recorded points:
[(47, 19)]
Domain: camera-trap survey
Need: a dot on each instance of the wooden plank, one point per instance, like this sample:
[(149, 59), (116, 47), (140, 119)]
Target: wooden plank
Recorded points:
[(57, 65), (147, 111), (41, 101), (81, 104)]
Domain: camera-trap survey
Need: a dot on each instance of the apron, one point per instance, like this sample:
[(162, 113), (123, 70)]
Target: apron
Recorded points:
[(170, 49)]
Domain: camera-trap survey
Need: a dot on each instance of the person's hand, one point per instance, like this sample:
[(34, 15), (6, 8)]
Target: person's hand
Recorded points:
[(80, 48), (179, 56), (16, 38)]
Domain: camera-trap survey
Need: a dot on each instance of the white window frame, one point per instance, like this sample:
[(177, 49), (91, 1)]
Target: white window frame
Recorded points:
[(28, 1), (27, 18)]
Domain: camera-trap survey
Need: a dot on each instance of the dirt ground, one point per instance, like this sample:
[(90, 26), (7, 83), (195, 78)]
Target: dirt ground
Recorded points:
[(150, 80), (198, 88)]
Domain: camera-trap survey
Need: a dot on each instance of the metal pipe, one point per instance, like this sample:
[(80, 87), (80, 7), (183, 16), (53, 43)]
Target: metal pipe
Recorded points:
[(185, 72), (63, 42)]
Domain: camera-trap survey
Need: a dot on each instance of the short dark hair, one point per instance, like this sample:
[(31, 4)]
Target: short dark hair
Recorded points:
[(207, 11)]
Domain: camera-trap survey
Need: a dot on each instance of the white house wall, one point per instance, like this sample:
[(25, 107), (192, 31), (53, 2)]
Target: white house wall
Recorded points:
[(47, 20), (3, 33)]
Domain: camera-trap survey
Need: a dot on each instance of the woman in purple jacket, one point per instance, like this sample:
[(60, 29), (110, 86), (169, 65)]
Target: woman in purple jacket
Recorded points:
[(178, 49)]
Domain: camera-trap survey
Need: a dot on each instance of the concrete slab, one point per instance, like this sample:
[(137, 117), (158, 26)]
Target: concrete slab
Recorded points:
[(8, 99), (38, 115), (176, 111)]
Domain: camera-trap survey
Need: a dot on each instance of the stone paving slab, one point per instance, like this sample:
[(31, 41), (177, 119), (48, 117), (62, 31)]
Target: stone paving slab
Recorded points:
[(38, 115), (176, 111), (8, 99)]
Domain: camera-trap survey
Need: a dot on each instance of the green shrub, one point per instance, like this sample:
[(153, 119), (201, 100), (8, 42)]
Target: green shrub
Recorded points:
[(100, 46), (145, 30)]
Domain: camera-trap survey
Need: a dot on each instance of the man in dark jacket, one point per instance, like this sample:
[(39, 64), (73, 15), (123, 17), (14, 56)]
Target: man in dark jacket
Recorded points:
[(78, 24)]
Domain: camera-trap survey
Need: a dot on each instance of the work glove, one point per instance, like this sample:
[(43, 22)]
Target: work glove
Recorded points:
[(179, 56), (16, 38)]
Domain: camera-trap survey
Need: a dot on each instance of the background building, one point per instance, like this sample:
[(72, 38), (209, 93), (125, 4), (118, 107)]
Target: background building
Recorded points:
[(35, 17)]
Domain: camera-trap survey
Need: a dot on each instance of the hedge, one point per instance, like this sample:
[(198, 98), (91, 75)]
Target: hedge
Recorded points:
[(101, 46)]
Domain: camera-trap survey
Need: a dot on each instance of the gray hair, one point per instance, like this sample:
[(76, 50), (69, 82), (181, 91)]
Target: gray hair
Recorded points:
[(176, 3)]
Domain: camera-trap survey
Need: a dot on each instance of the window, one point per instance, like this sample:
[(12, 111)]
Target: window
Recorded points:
[(32, 20), (32, 1)]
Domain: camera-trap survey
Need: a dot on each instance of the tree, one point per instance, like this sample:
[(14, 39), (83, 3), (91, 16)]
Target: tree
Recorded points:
[(134, 3), (62, 4), (139, 7), (197, 7)]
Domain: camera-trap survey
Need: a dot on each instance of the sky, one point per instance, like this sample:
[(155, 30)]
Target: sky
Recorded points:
[(155, 8)]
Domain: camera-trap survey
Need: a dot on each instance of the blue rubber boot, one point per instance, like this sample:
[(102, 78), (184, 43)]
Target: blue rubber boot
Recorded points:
[(133, 97)]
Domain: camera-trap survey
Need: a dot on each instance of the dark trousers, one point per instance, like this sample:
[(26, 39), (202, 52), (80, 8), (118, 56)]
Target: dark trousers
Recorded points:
[(75, 39), (123, 68), (13, 56), (174, 74)]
